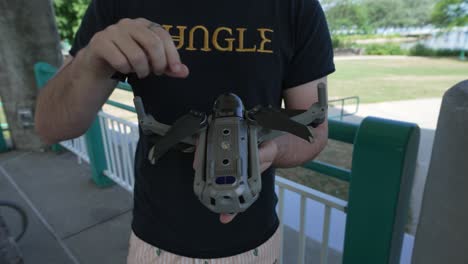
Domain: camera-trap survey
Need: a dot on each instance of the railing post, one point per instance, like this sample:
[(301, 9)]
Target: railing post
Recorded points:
[(96, 154), (382, 174), (3, 145)]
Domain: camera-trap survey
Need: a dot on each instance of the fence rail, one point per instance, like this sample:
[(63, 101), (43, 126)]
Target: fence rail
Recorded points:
[(341, 106), (120, 138), (3, 128), (77, 146)]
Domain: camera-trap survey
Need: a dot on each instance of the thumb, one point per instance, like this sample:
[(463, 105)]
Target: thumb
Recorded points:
[(226, 218), (267, 153)]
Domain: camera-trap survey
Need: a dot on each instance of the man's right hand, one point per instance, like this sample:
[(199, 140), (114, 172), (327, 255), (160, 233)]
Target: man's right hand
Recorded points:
[(132, 46)]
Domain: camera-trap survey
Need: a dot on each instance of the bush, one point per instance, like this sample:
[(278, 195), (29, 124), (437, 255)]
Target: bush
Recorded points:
[(384, 49), (422, 50), (337, 42), (340, 42)]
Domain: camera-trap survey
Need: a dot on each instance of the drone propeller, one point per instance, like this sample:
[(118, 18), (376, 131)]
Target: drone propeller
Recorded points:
[(295, 112), (277, 120), (183, 127), (291, 112)]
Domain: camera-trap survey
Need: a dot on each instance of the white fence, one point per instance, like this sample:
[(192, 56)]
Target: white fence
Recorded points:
[(456, 39), (120, 138), (77, 146)]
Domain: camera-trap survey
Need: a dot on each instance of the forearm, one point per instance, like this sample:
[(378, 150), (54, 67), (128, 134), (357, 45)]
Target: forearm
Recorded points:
[(294, 151), (69, 102)]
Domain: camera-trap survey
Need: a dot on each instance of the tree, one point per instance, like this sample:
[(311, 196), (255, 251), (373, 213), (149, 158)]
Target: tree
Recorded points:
[(347, 15), (369, 14), (418, 12), (449, 13), (68, 14), (398, 13), (29, 35)]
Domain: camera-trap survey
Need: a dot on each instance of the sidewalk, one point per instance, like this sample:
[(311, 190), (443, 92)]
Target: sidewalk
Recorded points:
[(70, 219)]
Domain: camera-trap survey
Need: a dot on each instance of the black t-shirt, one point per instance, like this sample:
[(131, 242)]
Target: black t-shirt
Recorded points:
[(255, 49)]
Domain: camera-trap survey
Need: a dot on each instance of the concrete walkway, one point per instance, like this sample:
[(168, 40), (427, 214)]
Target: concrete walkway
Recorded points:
[(71, 220)]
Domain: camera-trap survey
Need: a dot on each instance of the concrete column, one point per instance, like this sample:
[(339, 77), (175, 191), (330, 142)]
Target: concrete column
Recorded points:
[(28, 34), (442, 234)]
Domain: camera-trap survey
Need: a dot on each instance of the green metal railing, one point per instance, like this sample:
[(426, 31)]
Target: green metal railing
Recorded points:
[(3, 128), (341, 102), (384, 158)]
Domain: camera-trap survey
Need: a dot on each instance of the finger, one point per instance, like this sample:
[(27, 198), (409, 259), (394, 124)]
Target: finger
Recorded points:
[(267, 153), (226, 218), (132, 51), (112, 55), (182, 73), (154, 48), (175, 66)]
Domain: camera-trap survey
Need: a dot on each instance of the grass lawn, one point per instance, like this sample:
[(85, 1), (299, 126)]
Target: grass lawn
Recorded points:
[(336, 153), (393, 79)]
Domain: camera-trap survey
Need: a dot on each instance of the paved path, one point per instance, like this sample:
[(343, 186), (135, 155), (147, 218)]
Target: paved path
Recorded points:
[(71, 220)]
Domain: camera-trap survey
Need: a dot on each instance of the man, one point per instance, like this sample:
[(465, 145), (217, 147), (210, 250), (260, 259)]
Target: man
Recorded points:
[(180, 55)]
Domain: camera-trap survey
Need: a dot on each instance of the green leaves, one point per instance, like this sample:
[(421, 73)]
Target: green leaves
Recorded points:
[(366, 15), (450, 13), (68, 15), (347, 15)]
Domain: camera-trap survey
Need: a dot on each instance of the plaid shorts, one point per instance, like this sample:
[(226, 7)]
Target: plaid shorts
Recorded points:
[(141, 252)]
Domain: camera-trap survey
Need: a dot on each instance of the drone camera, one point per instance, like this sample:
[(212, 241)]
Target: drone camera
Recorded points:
[(225, 180)]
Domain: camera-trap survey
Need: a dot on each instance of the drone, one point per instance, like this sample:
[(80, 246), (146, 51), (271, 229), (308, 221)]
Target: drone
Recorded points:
[(227, 171)]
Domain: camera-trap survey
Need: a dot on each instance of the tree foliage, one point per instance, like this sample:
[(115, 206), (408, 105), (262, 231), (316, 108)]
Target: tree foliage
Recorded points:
[(450, 13), (372, 14), (347, 15), (68, 14)]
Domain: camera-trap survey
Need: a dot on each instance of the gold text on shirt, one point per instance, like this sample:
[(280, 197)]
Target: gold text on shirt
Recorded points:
[(224, 39)]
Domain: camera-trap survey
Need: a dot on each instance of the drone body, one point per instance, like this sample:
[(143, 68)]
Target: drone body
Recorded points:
[(227, 171), (227, 176)]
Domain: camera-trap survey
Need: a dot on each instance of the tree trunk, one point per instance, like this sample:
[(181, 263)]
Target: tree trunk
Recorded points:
[(28, 35)]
